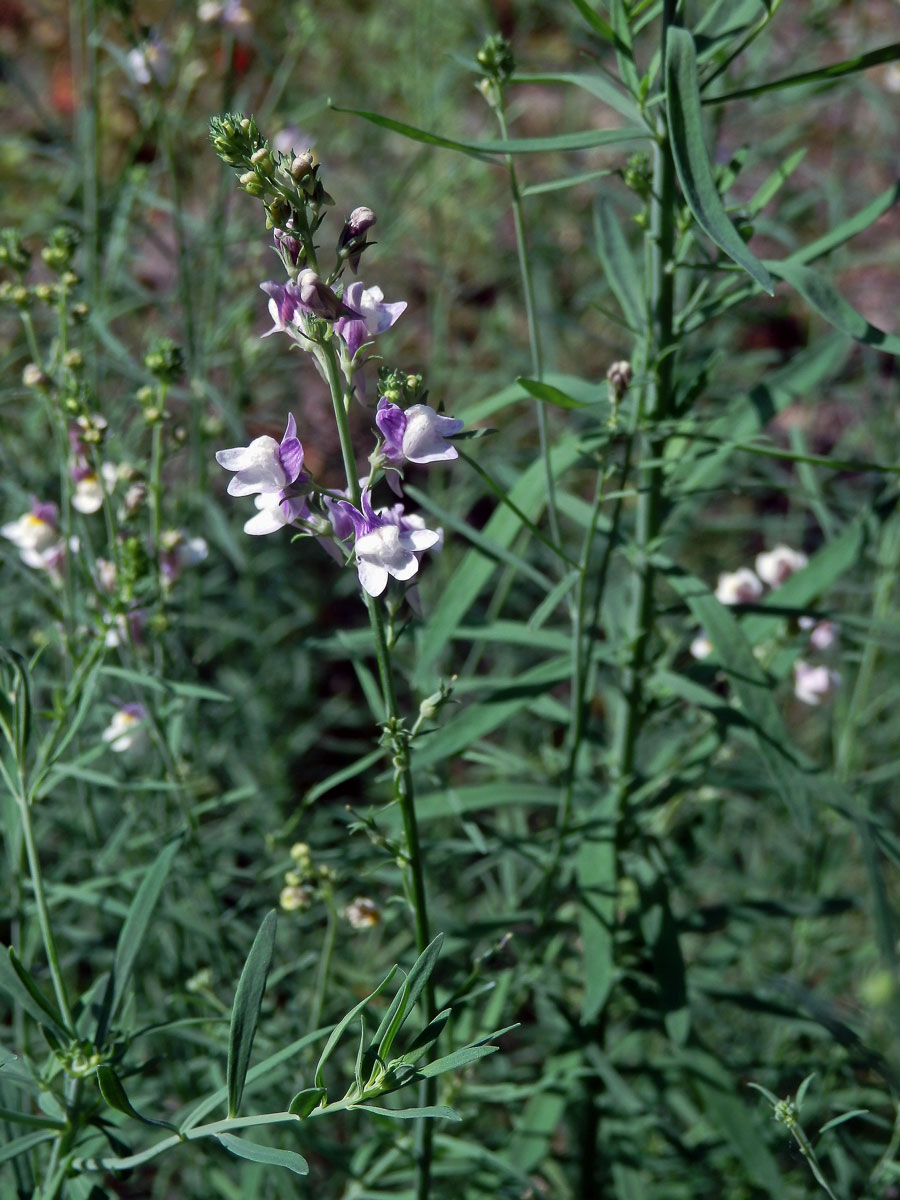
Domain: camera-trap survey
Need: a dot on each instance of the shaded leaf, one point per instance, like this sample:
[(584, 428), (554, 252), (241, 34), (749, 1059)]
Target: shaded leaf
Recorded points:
[(692, 161), (270, 1155), (245, 1010), (830, 304)]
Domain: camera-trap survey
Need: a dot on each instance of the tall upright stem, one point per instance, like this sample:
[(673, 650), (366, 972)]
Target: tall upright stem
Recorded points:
[(403, 782), (651, 409)]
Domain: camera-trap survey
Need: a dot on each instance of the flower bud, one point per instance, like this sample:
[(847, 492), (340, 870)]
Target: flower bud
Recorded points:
[(74, 360), (619, 377), (301, 166), (33, 376)]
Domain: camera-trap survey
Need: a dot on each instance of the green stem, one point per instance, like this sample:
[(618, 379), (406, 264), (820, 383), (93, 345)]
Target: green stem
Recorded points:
[(650, 411), (534, 340), (403, 782), (324, 968)]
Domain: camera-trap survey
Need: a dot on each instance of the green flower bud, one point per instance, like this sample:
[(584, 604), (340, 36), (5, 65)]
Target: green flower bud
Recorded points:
[(496, 58), (13, 252), (165, 360)]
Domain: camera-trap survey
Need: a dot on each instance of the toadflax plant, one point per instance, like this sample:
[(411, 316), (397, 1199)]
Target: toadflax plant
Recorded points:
[(337, 324)]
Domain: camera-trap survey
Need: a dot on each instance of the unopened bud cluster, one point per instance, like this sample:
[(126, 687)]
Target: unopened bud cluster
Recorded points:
[(305, 882)]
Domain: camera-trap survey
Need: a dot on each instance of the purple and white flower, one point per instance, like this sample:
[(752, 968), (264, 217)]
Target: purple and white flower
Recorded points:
[(35, 534), (275, 511), (127, 731), (383, 548), (374, 316), (265, 466), (775, 567), (177, 552), (305, 295), (738, 587), (150, 61), (417, 435), (814, 684), (90, 488)]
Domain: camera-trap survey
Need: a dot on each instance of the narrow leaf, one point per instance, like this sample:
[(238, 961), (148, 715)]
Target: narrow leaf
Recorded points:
[(137, 922), (270, 1155), (245, 1010), (583, 140), (439, 1111), (459, 1058), (692, 161), (345, 1021), (618, 264), (18, 984), (831, 305), (113, 1093), (595, 21), (595, 864), (862, 62), (598, 85), (855, 1112), (27, 1141), (548, 394)]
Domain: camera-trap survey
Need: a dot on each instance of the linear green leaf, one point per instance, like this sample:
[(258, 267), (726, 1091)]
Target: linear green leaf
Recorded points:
[(598, 85), (27, 1141), (245, 1010), (862, 62), (619, 265), (547, 393), (595, 864), (439, 1111), (113, 1092), (692, 161), (583, 140), (830, 304), (848, 229), (18, 984), (270, 1155), (570, 181), (595, 21), (137, 922)]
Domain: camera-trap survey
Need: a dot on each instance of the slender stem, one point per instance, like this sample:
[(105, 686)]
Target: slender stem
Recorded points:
[(534, 339), (655, 409), (324, 968), (403, 782)]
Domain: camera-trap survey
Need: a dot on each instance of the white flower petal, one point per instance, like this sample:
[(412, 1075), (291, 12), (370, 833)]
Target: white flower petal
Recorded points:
[(372, 576)]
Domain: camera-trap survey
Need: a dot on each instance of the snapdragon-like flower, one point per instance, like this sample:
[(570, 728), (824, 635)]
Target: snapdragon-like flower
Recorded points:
[(150, 61), (738, 587), (822, 634), (362, 913), (127, 731), (177, 552), (90, 488), (35, 534), (374, 316), (417, 435), (775, 567), (814, 684), (265, 466), (382, 548), (306, 294)]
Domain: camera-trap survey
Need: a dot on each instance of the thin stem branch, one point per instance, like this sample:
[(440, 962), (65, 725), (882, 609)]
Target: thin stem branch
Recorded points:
[(534, 337)]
